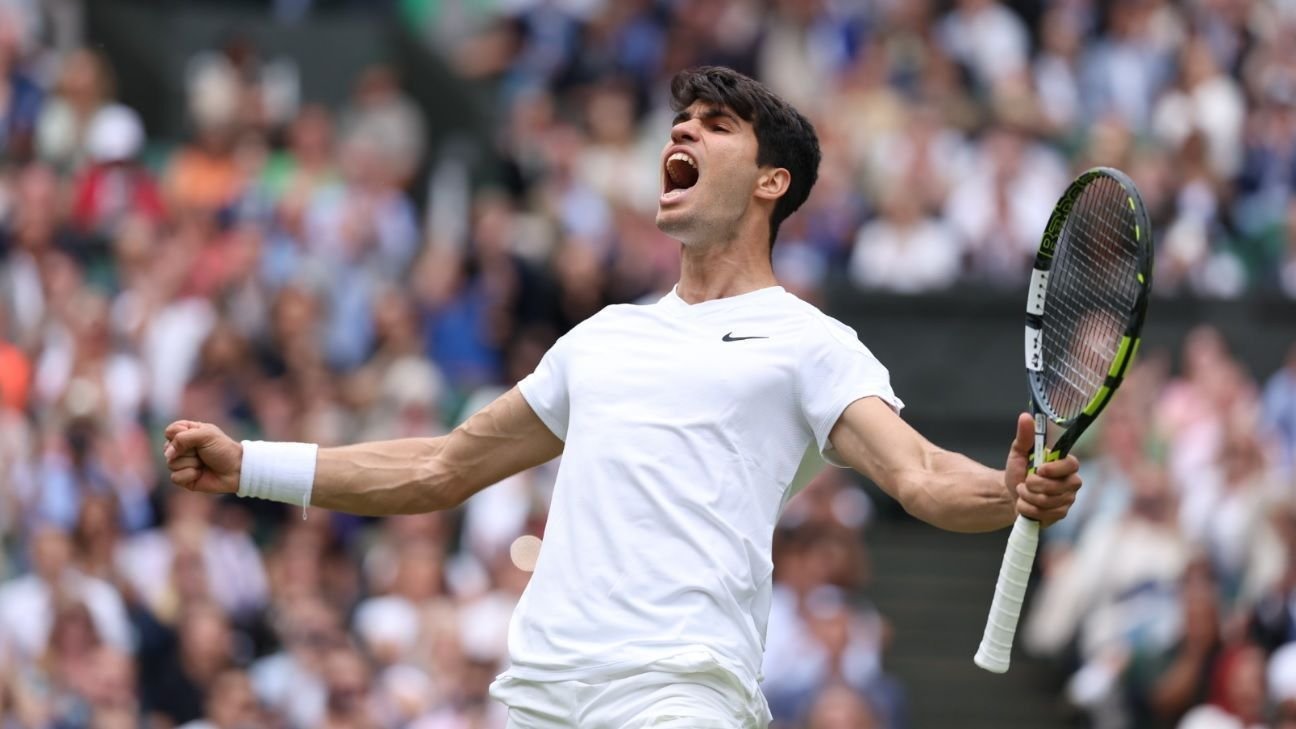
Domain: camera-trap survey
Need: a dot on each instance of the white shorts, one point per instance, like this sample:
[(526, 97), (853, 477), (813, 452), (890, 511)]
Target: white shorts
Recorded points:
[(658, 699)]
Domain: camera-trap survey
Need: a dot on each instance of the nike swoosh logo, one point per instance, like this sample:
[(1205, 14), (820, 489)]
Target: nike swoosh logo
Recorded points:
[(731, 338)]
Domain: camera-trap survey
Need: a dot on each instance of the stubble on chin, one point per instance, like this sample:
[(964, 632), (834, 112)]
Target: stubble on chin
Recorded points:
[(673, 226)]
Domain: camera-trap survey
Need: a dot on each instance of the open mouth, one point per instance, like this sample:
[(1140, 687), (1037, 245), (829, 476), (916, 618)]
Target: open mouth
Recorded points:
[(681, 173)]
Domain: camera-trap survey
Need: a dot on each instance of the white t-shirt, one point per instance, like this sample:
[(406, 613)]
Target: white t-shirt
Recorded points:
[(684, 427)]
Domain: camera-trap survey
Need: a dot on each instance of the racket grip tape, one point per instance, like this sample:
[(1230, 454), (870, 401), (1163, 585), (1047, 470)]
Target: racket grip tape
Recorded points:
[(995, 651)]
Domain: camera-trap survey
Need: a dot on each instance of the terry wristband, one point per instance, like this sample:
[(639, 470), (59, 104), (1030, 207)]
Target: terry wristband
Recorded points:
[(283, 472)]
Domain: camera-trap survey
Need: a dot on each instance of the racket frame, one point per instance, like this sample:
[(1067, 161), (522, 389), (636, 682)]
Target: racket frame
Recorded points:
[(1036, 305), (995, 651)]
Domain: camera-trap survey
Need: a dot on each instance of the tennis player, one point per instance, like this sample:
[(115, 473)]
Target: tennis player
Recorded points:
[(681, 425)]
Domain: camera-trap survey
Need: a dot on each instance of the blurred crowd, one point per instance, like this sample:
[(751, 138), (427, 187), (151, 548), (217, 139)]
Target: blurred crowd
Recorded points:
[(1169, 593), (273, 272), (949, 129)]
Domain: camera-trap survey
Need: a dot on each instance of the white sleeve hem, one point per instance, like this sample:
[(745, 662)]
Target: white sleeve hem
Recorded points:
[(551, 422), (821, 434)]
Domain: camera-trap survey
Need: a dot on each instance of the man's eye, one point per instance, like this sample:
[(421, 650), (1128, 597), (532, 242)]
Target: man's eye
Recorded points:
[(720, 128)]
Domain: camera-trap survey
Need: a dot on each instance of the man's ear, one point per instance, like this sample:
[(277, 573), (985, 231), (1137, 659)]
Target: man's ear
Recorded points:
[(772, 183)]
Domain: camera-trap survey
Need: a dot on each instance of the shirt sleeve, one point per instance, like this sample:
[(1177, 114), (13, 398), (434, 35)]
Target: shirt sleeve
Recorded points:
[(835, 371), (545, 389)]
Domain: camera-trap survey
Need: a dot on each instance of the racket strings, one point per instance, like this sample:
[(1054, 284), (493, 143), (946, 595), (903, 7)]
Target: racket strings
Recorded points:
[(1092, 290)]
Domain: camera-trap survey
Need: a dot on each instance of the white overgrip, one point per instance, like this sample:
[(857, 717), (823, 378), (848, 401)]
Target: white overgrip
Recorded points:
[(995, 651)]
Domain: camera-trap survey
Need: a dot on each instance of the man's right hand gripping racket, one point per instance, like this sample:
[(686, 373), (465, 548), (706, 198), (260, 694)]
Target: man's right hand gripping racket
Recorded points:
[(1084, 312)]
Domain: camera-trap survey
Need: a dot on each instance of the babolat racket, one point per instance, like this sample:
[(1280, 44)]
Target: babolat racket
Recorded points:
[(1084, 311)]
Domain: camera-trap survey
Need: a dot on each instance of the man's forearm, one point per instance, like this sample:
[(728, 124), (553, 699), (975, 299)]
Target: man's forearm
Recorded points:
[(426, 474), (387, 477), (956, 493), (947, 489)]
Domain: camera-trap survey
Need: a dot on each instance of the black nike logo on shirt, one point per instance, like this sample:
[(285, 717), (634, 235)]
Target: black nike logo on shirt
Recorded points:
[(731, 338)]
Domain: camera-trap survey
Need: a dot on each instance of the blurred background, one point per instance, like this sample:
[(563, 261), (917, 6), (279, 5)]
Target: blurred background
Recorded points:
[(334, 220)]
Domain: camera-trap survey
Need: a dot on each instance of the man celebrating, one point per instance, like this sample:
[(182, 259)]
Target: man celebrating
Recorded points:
[(681, 425)]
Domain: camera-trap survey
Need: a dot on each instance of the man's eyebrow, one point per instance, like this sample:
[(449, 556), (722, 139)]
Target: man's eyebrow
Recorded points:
[(711, 112)]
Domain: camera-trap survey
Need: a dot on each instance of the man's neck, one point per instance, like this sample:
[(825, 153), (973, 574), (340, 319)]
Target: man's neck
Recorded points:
[(718, 271)]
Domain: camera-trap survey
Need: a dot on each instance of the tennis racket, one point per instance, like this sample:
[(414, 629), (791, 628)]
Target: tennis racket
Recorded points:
[(1084, 312)]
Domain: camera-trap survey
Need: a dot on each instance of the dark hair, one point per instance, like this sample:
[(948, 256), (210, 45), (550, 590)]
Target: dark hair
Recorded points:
[(784, 138)]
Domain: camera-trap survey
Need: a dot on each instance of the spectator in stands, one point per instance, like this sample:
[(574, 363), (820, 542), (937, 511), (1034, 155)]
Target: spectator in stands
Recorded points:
[(388, 624), (37, 274), (264, 91), (29, 602), (114, 691), (231, 704), (67, 668), (1128, 66), (1000, 212), (1246, 555), (219, 390), (987, 38), (382, 116), (804, 46), (87, 461), (397, 392), (1274, 619), (1207, 101), (348, 684), (96, 540), (1237, 698), (1165, 678), (20, 96), (1056, 69), (1120, 583), (1193, 411), (178, 674), (1266, 179), (617, 163), (1287, 264), (203, 178), (815, 637), (84, 370), (1281, 683), (923, 149), (1279, 410), (905, 250), (84, 87), (15, 370), (225, 564), (290, 681), (365, 232), (114, 187), (293, 175), (839, 707)]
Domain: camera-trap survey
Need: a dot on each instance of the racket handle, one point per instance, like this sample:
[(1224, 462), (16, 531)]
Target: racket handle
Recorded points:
[(996, 644), (995, 651)]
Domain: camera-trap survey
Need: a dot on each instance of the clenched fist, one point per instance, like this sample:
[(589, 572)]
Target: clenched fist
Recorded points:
[(1046, 495), (202, 458)]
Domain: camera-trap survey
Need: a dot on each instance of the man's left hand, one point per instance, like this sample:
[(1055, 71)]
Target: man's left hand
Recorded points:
[(1046, 495)]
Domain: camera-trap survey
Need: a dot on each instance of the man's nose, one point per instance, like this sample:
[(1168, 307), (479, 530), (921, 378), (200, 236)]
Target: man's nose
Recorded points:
[(685, 131)]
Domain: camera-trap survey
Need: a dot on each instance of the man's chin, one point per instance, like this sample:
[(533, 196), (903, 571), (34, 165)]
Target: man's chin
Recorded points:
[(672, 224)]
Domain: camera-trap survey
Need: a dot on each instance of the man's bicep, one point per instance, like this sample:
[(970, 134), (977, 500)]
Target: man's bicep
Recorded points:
[(873, 439), (504, 438)]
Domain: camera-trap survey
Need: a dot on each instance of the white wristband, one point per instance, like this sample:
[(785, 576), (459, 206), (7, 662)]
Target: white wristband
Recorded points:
[(283, 472)]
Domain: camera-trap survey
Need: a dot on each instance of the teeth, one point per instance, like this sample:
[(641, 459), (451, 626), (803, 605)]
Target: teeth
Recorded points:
[(683, 157)]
